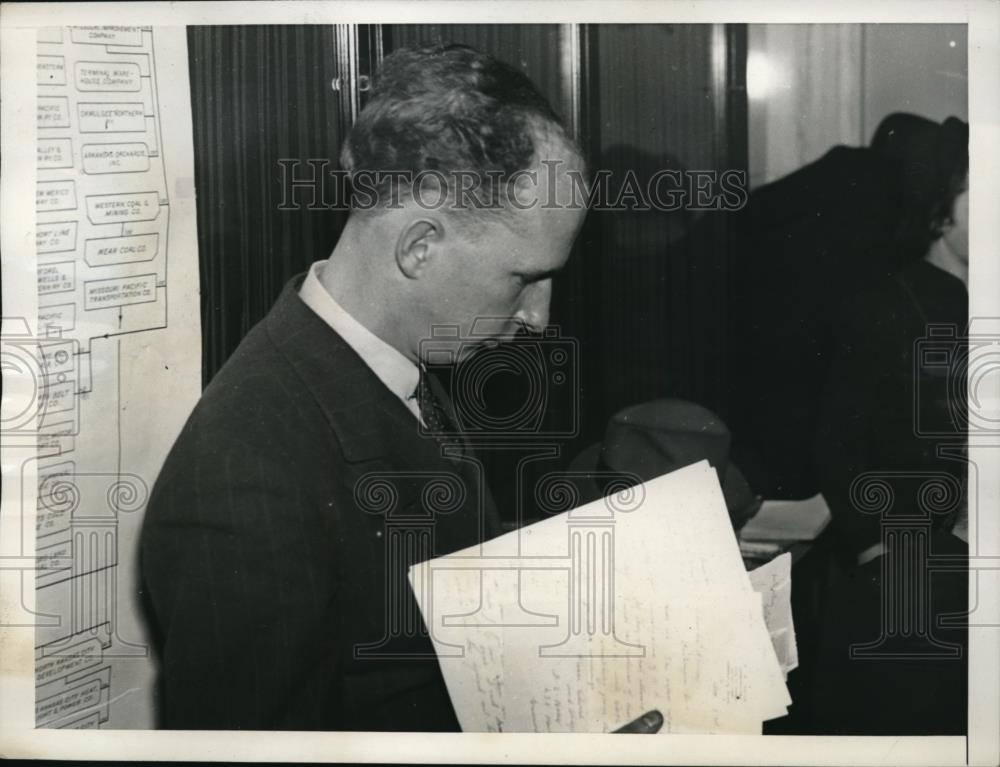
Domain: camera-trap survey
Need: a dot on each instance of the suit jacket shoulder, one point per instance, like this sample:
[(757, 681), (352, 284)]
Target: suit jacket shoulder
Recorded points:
[(267, 546)]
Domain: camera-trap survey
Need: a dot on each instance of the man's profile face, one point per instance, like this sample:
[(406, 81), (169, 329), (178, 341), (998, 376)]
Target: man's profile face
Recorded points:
[(498, 267)]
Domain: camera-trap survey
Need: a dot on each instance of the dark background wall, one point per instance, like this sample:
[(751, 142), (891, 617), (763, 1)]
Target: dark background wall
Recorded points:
[(646, 292), (259, 94)]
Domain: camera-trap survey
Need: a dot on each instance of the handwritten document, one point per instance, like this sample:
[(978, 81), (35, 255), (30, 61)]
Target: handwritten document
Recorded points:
[(589, 619)]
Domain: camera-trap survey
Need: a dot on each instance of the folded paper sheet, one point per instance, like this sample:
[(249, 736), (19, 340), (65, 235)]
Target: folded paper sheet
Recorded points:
[(788, 520), (773, 581), (589, 619)]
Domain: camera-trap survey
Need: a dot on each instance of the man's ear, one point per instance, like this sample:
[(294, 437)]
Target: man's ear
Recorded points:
[(414, 248)]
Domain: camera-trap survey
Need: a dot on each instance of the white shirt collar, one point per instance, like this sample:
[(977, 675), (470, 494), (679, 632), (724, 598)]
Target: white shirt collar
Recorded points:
[(399, 374)]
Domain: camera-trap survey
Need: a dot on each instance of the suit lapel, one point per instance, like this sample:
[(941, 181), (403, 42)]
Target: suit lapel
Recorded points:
[(368, 419), (372, 425)]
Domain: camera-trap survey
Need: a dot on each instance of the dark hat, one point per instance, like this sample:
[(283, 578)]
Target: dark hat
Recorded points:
[(913, 140), (657, 437), (901, 135)]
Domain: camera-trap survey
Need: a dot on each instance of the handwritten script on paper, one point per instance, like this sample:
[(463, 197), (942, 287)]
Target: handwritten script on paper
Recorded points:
[(586, 620)]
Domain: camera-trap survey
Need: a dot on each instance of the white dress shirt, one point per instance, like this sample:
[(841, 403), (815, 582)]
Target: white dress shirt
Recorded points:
[(399, 374)]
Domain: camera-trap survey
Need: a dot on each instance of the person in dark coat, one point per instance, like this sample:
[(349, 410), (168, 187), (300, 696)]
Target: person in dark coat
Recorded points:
[(886, 404), (804, 243), (322, 461), (891, 449)]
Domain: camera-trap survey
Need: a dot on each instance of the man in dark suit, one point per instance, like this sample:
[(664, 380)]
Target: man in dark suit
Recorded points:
[(315, 469)]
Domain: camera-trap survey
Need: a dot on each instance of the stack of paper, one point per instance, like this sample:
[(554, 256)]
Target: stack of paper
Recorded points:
[(589, 619), (788, 520)]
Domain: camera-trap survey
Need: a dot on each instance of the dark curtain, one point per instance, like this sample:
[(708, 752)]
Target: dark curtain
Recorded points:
[(259, 94)]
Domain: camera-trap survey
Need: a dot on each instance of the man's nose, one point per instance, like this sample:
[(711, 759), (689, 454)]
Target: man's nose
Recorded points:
[(534, 310)]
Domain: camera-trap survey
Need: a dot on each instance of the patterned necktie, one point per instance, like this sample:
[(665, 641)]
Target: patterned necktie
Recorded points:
[(434, 416)]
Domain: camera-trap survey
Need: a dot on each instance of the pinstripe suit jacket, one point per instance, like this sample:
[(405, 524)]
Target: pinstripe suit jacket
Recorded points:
[(264, 548)]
